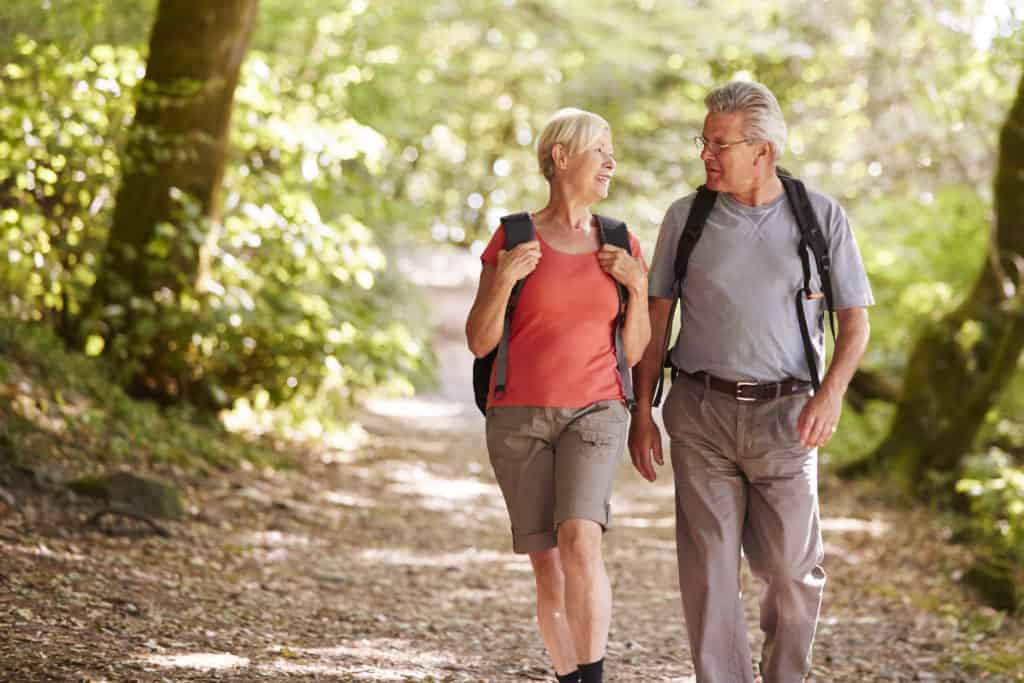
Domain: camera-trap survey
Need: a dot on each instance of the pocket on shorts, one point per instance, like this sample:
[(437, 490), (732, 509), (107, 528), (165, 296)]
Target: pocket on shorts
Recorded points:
[(510, 431), (606, 416), (603, 431), (597, 439)]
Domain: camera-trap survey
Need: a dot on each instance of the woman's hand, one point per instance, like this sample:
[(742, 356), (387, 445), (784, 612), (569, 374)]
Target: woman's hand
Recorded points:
[(515, 264), (624, 268)]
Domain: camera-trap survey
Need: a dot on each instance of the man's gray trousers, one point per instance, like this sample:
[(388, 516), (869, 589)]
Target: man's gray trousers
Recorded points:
[(743, 479)]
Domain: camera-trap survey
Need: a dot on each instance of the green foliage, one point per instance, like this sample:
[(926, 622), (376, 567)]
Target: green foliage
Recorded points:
[(923, 254), (1008, 662), (62, 119), (296, 298), (75, 25), (60, 405), (127, 492), (361, 127), (859, 434), (995, 488)]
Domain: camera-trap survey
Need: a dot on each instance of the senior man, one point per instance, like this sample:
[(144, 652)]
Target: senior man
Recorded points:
[(747, 412)]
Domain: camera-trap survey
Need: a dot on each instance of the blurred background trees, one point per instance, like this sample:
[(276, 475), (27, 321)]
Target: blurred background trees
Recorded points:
[(264, 252)]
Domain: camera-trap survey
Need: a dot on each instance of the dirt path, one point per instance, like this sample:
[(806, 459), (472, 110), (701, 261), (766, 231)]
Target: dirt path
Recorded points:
[(387, 558)]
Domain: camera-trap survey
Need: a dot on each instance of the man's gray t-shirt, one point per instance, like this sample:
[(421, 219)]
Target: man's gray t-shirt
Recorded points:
[(739, 318)]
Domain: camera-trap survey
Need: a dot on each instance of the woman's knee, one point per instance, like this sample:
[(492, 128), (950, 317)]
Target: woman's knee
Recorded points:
[(547, 568), (579, 542)]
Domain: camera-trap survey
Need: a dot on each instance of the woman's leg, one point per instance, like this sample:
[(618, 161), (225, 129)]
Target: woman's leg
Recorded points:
[(551, 612), (587, 452), (588, 593)]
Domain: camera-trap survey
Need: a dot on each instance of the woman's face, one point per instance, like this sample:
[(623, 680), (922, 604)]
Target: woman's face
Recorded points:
[(589, 172)]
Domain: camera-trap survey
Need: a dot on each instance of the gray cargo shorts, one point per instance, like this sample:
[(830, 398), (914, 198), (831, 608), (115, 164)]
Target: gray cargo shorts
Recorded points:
[(554, 464)]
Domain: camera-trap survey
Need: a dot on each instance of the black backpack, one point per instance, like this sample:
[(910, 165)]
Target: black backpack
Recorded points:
[(519, 229), (811, 239)]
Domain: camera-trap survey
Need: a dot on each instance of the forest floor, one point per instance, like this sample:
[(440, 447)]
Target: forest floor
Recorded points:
[(388, 558)]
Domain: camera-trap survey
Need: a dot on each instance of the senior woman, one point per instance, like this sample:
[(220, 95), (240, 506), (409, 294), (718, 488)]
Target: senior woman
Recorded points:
[(556, 433)]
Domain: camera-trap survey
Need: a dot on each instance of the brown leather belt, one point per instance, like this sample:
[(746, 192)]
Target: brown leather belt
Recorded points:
[(750, 391)]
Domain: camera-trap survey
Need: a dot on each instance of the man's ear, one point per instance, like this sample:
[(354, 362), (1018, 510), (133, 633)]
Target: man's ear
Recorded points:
[(764, 153)]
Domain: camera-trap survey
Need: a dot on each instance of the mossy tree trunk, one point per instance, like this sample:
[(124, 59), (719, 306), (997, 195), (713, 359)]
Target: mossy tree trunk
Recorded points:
[(174, 161), (960, 364)]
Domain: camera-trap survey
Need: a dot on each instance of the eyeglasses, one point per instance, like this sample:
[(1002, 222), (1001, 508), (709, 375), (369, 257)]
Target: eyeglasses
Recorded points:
[(714, 148)]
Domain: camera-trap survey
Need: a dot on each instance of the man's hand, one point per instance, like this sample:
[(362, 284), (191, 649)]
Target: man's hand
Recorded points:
[(819, 418), (645, 442)]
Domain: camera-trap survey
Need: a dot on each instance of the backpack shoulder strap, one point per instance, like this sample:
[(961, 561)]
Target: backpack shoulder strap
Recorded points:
[(695, 220), (518, 229), (810, 228), (615, 233), (701, 208), (811, 239)]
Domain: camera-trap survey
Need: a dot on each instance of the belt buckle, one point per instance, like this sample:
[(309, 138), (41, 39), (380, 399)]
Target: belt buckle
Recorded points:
[(739, 389)]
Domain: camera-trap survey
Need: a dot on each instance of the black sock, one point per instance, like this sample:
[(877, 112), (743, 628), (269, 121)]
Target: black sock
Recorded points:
[(573, 677), (593, 672)]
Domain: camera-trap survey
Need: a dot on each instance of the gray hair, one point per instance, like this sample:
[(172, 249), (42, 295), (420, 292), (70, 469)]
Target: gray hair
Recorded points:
[(764, 119), (576, 129)]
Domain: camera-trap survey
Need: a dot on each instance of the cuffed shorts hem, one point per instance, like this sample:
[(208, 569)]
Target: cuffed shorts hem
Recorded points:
[(534, 543), (602, 518)]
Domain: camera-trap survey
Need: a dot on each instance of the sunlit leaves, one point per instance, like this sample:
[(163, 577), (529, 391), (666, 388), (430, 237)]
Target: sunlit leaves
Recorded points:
[(61, 117), (293, 273), (288, 269), (360, 125), (995, 489)]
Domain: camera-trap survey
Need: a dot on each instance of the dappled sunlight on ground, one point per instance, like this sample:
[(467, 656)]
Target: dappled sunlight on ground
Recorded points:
[(396, 565), (635, 506), (273, 539), (472, 595), (417, 409), (383, 651), (384, 555), (364, 660), (399, 557), (347, 499), (652, 544), (861, 621), (442, 493), (41, 550), (204, 661), (846, 525), (642, 523)]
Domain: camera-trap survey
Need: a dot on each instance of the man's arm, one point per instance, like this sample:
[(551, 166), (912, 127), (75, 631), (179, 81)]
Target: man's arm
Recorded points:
[(644, 437), (820, 417)]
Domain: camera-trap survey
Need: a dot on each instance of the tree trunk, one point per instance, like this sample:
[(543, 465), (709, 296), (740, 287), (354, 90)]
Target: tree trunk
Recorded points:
[(178, 141), (961, 364)]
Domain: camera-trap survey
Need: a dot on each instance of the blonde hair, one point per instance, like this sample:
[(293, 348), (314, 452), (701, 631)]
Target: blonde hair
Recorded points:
[(575, 129)]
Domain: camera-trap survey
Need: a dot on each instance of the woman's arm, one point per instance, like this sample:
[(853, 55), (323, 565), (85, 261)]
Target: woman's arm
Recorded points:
[(636, 331), (486, 317), (630, 272)]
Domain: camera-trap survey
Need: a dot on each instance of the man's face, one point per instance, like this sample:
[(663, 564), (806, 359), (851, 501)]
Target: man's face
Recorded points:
[(732, 169)]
